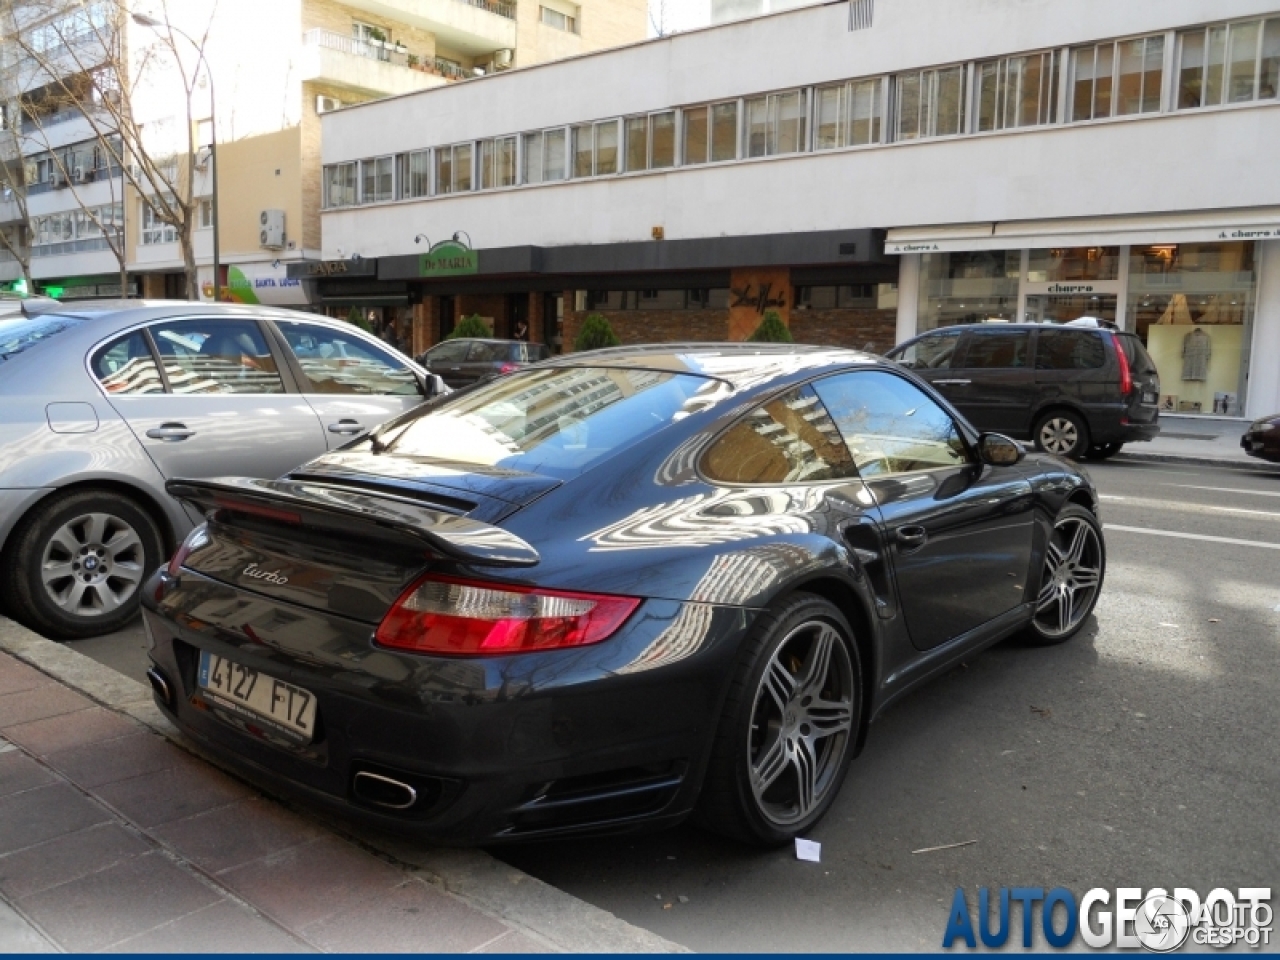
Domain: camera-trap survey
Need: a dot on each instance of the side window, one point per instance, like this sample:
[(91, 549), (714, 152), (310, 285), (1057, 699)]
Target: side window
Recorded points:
[(482, 352), (1069, 350), (996, 349), (790, 439), (127, 367), (216, 355), (930, 353), (451, 351), (890, 425), (336, 362)]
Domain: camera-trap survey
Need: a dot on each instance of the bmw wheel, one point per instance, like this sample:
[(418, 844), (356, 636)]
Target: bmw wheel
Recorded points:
[(79, 562), (1074, 564), (1063, 433), (789, 727)]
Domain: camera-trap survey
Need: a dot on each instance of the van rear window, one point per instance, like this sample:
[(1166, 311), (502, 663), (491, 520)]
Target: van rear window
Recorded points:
[(19, 333), (1139, 360)]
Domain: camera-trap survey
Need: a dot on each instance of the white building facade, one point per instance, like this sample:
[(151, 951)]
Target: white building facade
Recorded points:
[(868, 171)]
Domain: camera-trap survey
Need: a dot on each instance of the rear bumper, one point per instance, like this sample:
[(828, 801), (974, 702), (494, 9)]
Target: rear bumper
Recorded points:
[(1112, 429), (600, 739)]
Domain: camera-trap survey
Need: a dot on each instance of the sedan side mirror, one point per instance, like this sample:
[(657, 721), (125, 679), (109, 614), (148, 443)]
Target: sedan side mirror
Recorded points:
[(998, 450)]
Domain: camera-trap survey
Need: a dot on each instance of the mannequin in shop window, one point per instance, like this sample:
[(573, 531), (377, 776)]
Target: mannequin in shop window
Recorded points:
[(1197, 348)]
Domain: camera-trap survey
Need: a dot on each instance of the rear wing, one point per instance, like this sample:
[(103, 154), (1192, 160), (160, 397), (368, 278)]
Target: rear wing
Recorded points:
[(344, 508)]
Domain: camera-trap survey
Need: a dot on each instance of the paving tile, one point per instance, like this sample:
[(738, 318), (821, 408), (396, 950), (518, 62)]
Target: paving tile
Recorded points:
[(19, 772), (18, 936), (233, 835), (515, 942), (95, 764), (44, 813), (67, 858), (412, 918), (172, 794), (307, 883), (16, 676), (69, 730), (225, 927), (110, 905), (36, 704)]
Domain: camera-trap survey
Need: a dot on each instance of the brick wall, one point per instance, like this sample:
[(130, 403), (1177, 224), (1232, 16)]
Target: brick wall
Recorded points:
[(651, 326), (845, 328)]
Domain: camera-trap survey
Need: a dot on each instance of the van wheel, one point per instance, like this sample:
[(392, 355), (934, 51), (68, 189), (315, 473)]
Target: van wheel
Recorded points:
[(1063, 433), (1103, 451), (79, 562)]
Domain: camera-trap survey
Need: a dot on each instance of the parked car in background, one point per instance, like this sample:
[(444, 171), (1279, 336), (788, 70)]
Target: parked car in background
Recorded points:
[(1262, 439), (613, 590), (1075, 390), (103, 401), (463, 361)]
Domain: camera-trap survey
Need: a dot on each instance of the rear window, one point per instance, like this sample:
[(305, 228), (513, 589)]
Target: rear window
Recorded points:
[(482, 352), (1069, 350), (555, 422), (19, 333), (1139, 360)]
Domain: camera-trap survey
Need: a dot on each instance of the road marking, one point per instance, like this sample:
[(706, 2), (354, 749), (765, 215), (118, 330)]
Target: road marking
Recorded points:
[(1110, 496), (1192, 536), (1182, 506), (1256, 493)]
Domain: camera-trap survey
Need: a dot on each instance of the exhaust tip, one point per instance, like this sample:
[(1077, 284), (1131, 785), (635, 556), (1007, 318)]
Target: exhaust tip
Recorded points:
[(383, 791), (160, 684)]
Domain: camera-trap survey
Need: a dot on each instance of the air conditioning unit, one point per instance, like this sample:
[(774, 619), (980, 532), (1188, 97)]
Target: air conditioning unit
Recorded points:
[(502, 59), (81, 175), (327, 104), (271, 234)]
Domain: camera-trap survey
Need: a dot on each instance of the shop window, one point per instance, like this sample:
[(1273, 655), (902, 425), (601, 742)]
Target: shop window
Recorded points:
[(929, 103), (715, 298), (415, 174), (1117, 79), (1228, 63), (1073, 263), (376, 178), (972, 287), (775, 124), (848, 296), (1017, 91), (661, 300), (340, 184), (847, 114), (497, 162), (710, 133)]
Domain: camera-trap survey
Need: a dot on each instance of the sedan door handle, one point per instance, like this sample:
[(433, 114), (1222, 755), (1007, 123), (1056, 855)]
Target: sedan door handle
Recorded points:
[(171, 432), (346, 427), (912, 537), (952, 383)]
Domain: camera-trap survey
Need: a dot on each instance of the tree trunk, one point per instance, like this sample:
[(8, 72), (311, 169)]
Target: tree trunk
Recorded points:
[(189, 260)]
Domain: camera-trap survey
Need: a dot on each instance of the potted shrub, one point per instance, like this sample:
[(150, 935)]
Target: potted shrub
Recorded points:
[(771, 330), (470, 327), (595, 334)]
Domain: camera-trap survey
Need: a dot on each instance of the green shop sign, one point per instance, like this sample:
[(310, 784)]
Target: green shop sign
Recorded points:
[(450, 258)]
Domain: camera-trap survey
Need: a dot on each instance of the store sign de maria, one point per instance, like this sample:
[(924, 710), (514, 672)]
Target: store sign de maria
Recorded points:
[(450, 258)]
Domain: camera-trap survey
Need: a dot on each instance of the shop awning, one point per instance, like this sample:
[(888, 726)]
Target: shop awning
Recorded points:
[(1206, 226)]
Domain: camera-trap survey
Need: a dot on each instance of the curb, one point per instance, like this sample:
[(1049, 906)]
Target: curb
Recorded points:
[(518, 899), (1254, 466)]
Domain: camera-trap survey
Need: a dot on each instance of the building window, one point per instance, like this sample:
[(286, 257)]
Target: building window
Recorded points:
[(595, 149), (650, 141), (711, 133), (377, 183), (1018, 91), (862, 296), (154, 230), (206, 213), (1117, 79), (775, 124), (544, 156), (415, 174), (453, 168), (497, 163), (340, 185), (1229, 63), (847, 114), (929, 103), (558, 20)]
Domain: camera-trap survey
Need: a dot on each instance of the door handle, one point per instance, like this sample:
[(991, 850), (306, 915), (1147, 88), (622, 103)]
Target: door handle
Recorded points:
[(912, 537), (952, 383), (455, 368), (171, 432), (346, 427)]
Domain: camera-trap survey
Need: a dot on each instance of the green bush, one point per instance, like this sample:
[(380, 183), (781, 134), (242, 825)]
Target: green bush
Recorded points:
[(355, 317), (771, 330), (470, 327), (595, 334)]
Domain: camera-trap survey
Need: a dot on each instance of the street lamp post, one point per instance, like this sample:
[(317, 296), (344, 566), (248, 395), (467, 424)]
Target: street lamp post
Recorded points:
[(150, 22)]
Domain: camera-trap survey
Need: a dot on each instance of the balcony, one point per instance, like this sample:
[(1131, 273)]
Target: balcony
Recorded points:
[(470, 27), (371, 68)]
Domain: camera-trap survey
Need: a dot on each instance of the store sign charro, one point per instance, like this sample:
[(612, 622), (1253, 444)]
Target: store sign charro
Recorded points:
[(449, 258), (1072, 288)]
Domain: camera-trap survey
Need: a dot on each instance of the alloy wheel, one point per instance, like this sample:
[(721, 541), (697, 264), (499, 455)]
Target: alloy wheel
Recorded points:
[(92, 564), (1072, 576), (1058, 435), (801, 721)]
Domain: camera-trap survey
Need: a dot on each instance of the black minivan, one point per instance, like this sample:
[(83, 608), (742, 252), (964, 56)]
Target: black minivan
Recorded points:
[(1073, 390)]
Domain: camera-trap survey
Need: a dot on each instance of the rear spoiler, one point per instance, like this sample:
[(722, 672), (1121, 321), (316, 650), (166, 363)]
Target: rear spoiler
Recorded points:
[(293, 500)]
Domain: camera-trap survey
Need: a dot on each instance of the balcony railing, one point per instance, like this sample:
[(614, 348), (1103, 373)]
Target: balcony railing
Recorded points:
[(92, 175), (369, 49), (507, 10)]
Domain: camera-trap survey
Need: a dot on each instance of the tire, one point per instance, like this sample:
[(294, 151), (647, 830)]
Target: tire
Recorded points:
[(1074, 568), (1062, 432), (78, 564), (779, 725), (1104, 451)]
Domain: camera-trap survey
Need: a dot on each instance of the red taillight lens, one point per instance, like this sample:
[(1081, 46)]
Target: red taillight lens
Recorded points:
[(469, 618), (1126, 376), (509, 367), (196, 538)]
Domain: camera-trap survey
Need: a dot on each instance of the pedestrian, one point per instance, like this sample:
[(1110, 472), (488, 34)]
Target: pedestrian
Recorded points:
[(521, 331)]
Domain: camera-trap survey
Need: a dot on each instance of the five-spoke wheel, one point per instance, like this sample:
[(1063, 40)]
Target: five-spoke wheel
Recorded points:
[(1074, 564)]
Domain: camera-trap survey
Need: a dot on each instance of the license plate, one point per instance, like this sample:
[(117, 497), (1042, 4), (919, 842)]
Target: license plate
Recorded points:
[(1149, 398), (248, 692)]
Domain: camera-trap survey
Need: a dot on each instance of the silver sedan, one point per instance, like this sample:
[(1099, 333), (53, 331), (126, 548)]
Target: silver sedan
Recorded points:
[(100, 403)]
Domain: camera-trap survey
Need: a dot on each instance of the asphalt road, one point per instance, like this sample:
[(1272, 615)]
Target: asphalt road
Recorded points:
[(1141, 753)]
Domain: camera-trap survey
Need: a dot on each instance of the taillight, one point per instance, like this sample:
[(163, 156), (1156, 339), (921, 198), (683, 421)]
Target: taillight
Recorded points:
[(195, 539), (509, 368), (1126, 377), (471, 618)]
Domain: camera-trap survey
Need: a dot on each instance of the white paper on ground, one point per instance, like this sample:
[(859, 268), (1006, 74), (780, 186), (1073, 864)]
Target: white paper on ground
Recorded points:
[(808, 850)]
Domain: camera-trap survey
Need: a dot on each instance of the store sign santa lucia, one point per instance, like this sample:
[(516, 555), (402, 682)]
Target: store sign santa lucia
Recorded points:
[(449, 258), (1156, 920)]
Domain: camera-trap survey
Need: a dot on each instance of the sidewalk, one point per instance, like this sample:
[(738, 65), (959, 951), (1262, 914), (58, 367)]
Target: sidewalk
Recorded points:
[(1197, 439), (113, 837)]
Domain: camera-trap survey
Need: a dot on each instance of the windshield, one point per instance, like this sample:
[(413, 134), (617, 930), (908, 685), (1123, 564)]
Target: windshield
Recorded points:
[(554, 422), (19, 332)]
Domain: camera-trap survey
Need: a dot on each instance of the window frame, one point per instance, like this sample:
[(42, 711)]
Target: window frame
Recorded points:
[(1114, 77), (1206, 33), (926, 128)]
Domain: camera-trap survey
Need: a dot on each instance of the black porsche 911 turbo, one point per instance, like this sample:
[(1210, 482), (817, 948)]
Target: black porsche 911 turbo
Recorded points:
[(613, 590)]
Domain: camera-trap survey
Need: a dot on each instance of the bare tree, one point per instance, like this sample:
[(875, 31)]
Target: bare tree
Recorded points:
[(658, 17), (15, 231), (82, 62)]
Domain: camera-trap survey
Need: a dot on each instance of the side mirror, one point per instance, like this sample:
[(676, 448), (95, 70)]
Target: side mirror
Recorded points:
[(431, 386), (998, 450)]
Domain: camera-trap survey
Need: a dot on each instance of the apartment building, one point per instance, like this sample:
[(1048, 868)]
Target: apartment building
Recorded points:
[(265, 74)]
